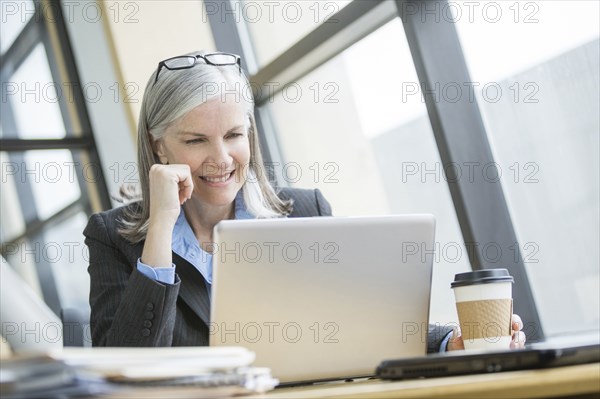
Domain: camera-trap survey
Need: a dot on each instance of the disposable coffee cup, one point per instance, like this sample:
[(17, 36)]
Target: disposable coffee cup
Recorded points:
[(484, 306)]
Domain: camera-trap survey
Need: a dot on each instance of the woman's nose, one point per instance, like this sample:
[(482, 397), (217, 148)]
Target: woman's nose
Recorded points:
[(220, 155)]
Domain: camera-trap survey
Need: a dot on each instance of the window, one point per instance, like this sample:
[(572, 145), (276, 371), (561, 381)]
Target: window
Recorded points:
[(35, 93), (51, 181), (536, 65)]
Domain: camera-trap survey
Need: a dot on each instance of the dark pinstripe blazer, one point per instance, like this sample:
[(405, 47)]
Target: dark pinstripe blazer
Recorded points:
[(130, 309)]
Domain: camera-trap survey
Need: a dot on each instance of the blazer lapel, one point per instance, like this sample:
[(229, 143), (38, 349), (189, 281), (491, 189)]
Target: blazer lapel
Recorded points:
[(193, 290)]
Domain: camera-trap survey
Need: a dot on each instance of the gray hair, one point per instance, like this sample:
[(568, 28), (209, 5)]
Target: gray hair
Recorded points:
[(174, 94)]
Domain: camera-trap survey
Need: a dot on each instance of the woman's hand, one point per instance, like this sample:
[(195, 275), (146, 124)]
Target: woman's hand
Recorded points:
[(170, 187), (518, 336)]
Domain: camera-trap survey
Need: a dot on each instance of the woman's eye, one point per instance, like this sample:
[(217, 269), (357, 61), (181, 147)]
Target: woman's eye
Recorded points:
[(234, 135), (195, 141)]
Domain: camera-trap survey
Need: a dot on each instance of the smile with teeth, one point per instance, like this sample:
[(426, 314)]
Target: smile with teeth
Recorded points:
[(218, 179)]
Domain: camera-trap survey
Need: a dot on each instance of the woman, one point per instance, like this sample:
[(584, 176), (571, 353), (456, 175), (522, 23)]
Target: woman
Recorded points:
[(199, 163)]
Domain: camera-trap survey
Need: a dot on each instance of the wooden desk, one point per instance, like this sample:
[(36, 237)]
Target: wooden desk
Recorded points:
[(545, 383), (581, 381)]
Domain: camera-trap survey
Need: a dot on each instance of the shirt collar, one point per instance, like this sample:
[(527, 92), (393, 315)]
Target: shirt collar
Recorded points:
[(185, 244), (240, 212)]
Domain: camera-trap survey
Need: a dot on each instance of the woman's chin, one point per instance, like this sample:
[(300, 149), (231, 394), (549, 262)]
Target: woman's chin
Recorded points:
[(217, 199)]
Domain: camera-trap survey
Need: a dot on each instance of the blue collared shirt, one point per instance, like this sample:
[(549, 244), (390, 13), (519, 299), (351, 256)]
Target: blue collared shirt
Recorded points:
[(187, 246)]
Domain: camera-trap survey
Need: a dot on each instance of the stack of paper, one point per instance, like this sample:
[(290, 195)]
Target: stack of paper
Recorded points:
[(149, 372)]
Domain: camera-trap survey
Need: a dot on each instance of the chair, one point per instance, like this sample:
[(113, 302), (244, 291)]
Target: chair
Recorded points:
[(76, 326)]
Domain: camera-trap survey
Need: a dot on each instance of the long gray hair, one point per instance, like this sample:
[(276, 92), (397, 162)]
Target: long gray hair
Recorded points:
[(175, 94)]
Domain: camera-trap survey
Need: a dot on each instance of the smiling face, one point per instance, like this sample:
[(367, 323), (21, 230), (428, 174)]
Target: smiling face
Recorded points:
[(213, 140)]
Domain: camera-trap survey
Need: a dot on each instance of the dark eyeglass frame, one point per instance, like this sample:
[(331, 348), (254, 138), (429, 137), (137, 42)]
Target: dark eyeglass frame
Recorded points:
[(163, 63)]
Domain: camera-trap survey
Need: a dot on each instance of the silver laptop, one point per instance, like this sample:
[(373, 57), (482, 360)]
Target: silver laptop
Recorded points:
[(323, 298)]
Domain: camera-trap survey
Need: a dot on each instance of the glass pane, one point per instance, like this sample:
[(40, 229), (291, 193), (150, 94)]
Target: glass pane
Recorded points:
[(34, 99), (56, 255), (53, 179), (21, 256), (39, 184), (14, 16), (13, 223), (347, 129), (540, 63), (63, 248), (277, 25)]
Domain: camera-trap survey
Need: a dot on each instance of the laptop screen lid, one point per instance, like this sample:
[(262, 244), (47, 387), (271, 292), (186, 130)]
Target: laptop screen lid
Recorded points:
[(323, 298)]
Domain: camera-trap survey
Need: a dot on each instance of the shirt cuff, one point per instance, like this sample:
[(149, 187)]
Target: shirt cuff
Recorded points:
[(444, 344), (164, 275)]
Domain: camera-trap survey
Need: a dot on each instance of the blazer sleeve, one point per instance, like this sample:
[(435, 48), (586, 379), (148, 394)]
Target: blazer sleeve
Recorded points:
[(127, 308), (323, 205), (435, 336), (306, 202)]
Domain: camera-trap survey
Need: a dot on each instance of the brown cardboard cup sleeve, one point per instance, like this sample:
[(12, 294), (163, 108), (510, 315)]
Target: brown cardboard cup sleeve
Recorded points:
[(485, 319)]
